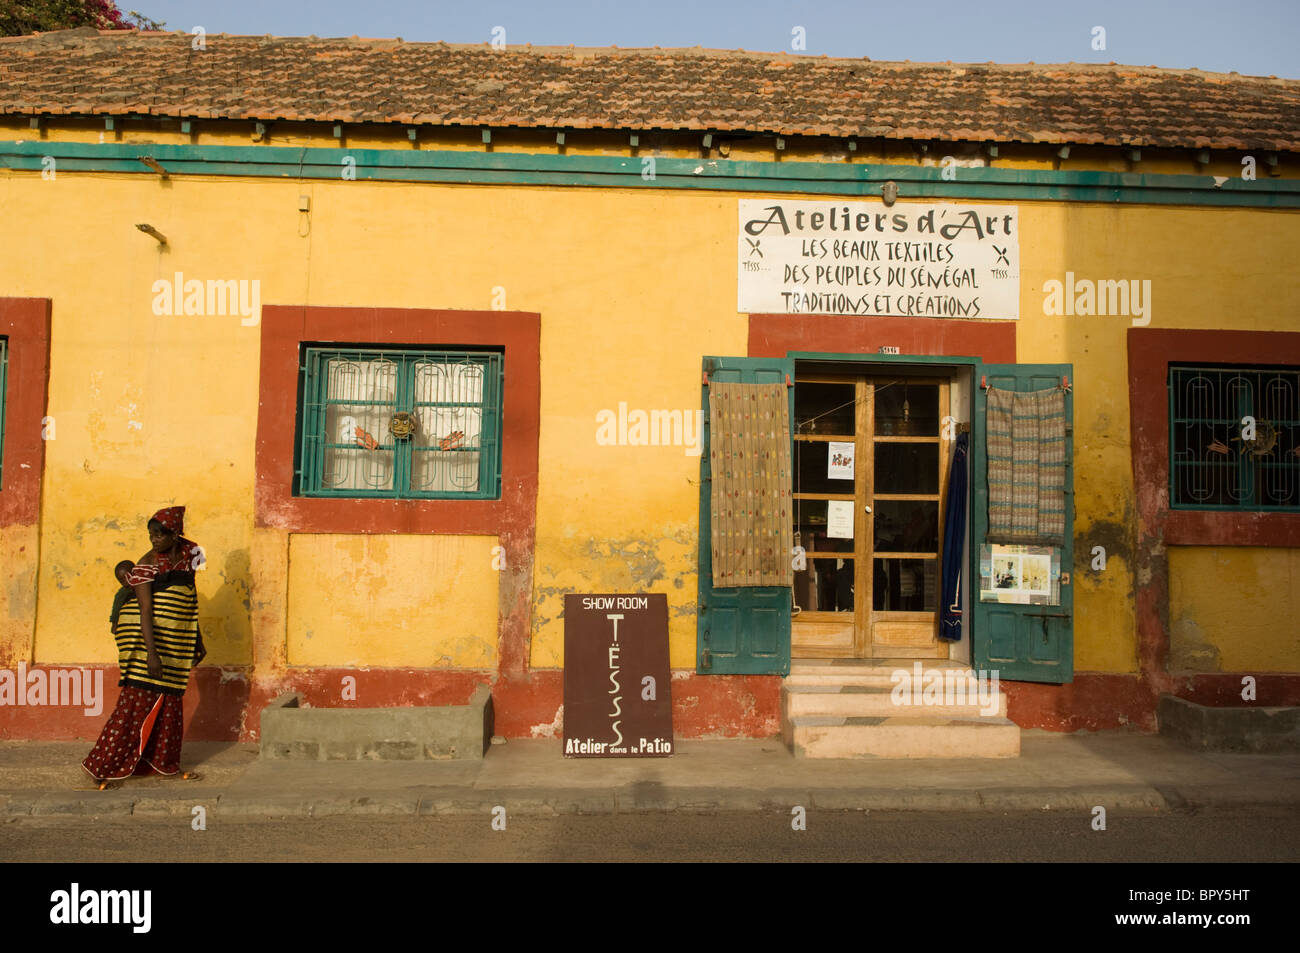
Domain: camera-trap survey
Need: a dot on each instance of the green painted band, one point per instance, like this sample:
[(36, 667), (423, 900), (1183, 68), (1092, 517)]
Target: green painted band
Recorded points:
[(821, 178)]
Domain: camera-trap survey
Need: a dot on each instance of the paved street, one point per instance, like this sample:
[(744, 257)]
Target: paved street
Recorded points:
[(1268, 836)]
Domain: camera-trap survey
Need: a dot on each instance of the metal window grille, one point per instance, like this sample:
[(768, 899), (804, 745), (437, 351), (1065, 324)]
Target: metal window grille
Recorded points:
[(1234, 438), (4, 375), (401, 424)]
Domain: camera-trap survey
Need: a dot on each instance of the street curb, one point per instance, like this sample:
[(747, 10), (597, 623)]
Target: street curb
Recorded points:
[(11, 806), (365, 805), (551, 802), (93, 804), (264, 806), (1219, 797), (169, 807)]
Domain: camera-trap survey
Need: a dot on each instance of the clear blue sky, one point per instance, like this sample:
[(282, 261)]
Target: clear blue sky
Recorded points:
[(1260, 37)]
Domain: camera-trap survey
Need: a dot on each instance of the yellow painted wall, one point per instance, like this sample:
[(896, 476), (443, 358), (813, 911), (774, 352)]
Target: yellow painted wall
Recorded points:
[(417, 601), (19, 549), (633, 286), (1234, 609)]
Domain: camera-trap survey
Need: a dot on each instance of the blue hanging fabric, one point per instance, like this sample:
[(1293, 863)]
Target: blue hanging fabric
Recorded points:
[(954, 536)]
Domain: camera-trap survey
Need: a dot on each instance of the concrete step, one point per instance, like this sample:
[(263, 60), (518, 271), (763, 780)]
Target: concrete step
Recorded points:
[(877, 672), (416, 733), (811, 736), (877, 700)]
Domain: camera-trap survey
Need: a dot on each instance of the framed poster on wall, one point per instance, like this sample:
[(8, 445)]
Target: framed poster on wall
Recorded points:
[(1030, 575)]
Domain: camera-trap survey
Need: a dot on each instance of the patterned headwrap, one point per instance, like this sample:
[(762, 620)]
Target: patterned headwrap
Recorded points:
[(172, 518)]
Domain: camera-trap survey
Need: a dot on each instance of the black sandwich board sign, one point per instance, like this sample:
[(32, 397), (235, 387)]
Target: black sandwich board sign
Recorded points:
[(617, 691)]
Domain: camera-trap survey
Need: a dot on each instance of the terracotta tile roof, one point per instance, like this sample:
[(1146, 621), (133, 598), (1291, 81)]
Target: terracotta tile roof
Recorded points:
[(359, 80)]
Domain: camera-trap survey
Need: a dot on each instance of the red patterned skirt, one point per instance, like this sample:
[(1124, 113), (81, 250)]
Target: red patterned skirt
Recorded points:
[(143, 736)]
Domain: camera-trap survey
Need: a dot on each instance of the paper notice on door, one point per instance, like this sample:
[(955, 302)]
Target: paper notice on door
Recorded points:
[(839, 519), (839, 461)]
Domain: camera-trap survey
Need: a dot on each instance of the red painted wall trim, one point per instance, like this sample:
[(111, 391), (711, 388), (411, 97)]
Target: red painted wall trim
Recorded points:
[(224, 705), (26, 323), (776, 335), (513, 518), (1097, 701), (1150, 352), (285, 328)]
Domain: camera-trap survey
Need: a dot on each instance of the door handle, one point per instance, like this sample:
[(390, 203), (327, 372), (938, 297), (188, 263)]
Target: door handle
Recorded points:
[(1044, 616), (866, 509)]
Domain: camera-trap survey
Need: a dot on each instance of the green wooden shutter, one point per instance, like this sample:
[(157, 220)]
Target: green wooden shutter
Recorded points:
[(1023, 643), (746, 630)]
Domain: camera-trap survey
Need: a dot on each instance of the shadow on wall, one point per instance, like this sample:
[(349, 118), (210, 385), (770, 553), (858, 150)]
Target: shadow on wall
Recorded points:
[(227, 633)]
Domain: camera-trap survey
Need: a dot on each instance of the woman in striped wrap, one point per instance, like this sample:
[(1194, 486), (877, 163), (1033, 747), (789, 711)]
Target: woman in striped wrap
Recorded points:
[(158, 642)]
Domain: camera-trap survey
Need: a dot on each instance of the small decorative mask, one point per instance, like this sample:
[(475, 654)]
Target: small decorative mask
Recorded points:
[(403, 425)]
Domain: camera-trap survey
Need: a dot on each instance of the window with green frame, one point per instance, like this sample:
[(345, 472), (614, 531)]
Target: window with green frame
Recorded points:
[(400, 424), (1234, 438)]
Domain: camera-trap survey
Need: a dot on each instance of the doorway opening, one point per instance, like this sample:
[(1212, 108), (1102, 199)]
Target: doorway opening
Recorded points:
[(872, 450)]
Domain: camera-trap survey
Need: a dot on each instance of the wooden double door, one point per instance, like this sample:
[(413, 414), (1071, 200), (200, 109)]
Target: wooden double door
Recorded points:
[(870, 469)]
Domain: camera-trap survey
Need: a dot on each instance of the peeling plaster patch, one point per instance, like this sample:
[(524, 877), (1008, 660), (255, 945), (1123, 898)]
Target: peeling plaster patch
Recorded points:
[(483, 648), (22, 598), (681, 674), (512, 585), (679, 582), (690, 609), (749, 703), (1190, 650), (553, 729), (96, 526), (640, 556), (1116, 536)]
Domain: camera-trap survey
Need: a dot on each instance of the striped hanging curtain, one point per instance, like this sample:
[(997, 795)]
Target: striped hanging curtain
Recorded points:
[(1026, 456), (749, 453)]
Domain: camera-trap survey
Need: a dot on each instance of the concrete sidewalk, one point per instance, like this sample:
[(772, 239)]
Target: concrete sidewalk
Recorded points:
[(1117, 770)]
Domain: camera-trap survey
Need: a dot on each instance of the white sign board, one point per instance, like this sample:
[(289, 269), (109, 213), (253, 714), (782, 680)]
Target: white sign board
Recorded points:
[(839, 519), (839, 460), (916, 260)]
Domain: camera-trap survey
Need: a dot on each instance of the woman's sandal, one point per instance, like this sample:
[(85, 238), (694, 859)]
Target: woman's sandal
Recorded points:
[(109, 785), (191, 776)]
